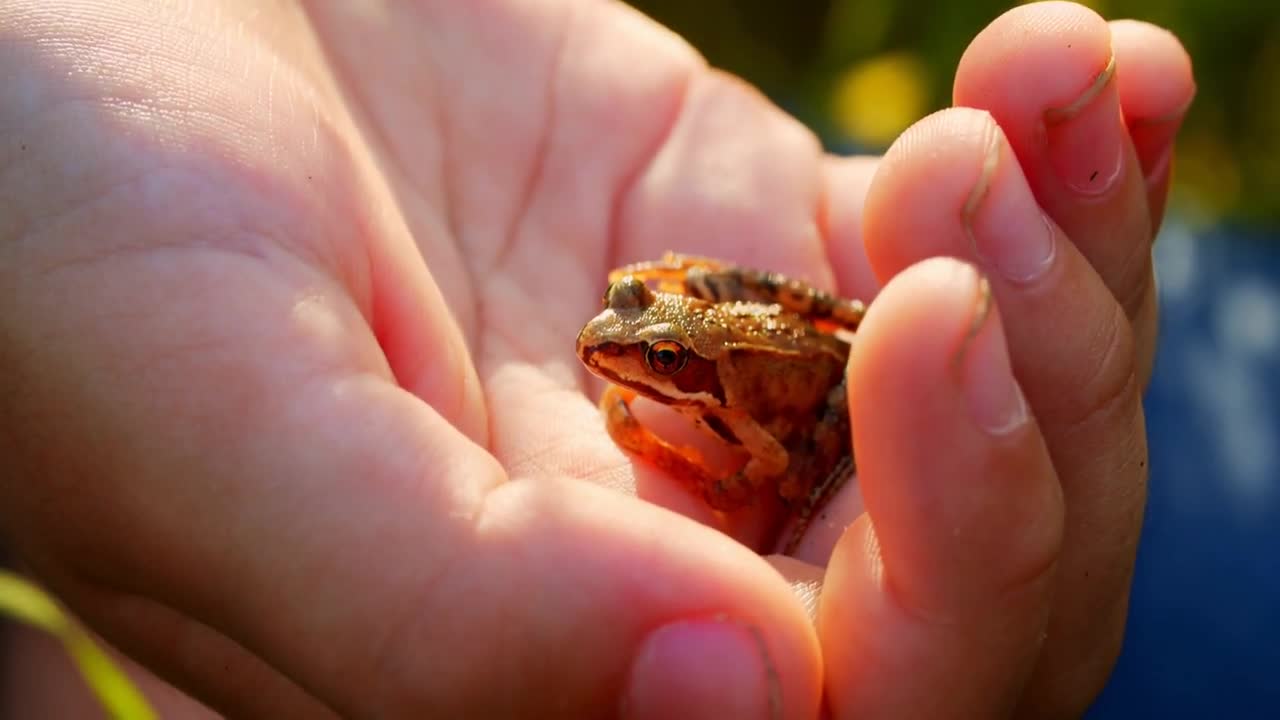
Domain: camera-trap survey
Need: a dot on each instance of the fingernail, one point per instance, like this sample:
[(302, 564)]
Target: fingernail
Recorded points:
[(995, 401), (1009, 232), (1086, 137), (706, 668)]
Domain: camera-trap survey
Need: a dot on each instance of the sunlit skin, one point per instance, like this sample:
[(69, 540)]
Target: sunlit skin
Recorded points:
[(292, 415)]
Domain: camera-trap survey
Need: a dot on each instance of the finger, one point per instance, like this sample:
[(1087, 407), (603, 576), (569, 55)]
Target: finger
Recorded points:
[(1046, 71), (951, 186), (936, 600), (845, 183), (1156, 87)]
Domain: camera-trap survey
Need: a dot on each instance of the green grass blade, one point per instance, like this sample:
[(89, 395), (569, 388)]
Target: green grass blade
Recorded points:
[(23, 601)]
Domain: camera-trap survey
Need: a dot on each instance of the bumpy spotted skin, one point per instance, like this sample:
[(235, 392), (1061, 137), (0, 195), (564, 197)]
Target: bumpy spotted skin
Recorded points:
[(765, 373), (717, 281)]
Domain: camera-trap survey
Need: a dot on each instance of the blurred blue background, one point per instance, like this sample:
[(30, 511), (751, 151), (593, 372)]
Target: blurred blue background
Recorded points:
[(1204, 631)]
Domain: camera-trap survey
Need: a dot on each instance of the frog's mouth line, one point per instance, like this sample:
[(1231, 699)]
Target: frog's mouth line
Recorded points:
[(640, 388)]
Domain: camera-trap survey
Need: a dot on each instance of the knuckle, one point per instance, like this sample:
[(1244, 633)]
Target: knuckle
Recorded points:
[(1110, 382)]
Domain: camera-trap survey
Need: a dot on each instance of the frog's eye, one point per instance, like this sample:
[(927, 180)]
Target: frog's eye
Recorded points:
[(666, 357)]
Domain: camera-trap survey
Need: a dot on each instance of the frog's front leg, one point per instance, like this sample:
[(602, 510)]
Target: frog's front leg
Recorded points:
[(682, 463), (768, 459)]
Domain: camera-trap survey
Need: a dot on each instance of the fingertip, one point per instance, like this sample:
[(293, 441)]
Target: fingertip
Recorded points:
[(1048, 74), (946, 444), (1045, 72), (805, 578), (963, 520), (922, 186), (1157, 86), (853, 586), (1035, 56), (1154, 75), (703, 669), (904, 342)]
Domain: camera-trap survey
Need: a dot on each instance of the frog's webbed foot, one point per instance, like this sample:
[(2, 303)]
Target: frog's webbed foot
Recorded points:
[(683, 464), (767, 463)]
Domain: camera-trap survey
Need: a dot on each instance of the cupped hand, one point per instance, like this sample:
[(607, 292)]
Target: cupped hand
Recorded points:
[(292, 415)]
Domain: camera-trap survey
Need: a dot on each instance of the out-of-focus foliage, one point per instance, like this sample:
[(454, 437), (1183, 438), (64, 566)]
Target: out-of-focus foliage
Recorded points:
[(860, 71), (23, 601)]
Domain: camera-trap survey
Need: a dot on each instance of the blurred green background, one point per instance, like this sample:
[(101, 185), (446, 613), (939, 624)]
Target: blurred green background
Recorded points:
[(861, 71)]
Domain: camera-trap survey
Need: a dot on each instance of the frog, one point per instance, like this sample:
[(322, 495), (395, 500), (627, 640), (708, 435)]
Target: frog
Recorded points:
[(755, 359)]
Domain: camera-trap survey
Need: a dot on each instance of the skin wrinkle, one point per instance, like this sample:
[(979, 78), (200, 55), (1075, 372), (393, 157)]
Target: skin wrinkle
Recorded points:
[(542, 145), (528, 191), (534, 180), (456, 393), (236, 238), (914, 613), (375, 136), (1039, 571), (30, 146), (198, 126), (378, 139), (1109, 392), (1126, 394), (1137, 272)]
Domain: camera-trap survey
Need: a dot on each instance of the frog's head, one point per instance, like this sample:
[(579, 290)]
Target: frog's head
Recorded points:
[(642, 340)]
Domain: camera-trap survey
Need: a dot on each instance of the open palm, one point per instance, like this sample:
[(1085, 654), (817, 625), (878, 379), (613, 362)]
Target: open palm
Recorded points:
[(293, 344)]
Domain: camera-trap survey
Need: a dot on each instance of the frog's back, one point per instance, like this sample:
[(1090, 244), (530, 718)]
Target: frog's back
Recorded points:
[(765, 383)]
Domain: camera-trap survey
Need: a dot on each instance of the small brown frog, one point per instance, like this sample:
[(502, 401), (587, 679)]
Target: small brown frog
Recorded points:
[(755, 358)]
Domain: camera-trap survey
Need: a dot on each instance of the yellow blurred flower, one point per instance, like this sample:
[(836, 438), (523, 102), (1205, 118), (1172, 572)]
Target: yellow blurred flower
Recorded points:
[(876, 99)]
